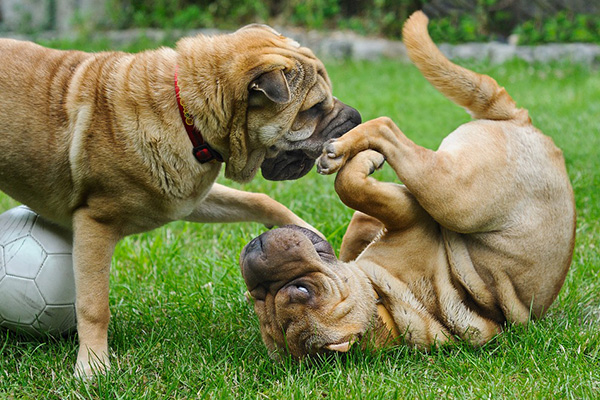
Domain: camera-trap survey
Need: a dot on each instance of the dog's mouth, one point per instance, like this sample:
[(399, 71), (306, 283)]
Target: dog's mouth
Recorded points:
[(299, 157), (343, 346), (316, 346), (287, 165)]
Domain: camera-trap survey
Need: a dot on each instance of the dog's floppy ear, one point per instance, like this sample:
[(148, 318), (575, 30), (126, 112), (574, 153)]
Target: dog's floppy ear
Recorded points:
[(274, 85)]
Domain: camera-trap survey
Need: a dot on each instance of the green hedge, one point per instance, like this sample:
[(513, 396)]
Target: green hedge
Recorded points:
[(485, 20)]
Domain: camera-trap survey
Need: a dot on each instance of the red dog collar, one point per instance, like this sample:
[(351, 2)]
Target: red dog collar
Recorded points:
[(202, 151)]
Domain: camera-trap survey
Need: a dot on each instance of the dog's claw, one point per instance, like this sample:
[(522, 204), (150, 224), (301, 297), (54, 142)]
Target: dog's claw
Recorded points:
[(330, 149), (322, 170)]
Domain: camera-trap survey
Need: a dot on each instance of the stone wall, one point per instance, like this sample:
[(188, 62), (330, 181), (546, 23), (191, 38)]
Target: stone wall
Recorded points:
[(339, 45), (25, 14)]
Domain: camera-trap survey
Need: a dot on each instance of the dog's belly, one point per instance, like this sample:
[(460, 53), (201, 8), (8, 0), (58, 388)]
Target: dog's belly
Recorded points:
[(34, 83), (29, 177)]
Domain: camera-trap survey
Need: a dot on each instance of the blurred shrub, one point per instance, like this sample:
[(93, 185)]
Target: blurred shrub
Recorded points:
[(313, 13), (535, 21), (370, 16), (458, 29), (186, 14), (562, 27), (454, 21)]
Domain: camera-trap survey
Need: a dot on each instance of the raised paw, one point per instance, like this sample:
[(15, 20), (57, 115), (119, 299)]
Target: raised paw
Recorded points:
[(373, 159), (332, 158)]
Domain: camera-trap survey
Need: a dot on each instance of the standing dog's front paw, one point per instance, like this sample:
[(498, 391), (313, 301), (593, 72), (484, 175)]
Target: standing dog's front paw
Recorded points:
[(90, 364), (332, 159)]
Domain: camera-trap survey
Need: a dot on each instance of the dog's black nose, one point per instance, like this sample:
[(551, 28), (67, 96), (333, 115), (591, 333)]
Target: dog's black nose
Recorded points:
[(253, 246), (347, 119)]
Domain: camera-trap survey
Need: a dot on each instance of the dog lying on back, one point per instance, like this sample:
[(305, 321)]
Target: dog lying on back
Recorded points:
[(480, 233)]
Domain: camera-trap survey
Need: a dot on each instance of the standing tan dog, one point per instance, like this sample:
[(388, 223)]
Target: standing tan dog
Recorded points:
[(481, 232), (111, 144)]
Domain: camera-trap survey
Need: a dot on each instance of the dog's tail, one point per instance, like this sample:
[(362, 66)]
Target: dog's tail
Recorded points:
[(479, 94)]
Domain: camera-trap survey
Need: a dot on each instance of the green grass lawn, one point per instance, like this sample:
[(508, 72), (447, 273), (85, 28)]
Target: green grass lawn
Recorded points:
[(181, 327)]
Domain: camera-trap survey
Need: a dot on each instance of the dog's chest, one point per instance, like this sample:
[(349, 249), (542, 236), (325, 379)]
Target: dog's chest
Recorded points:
[(180, 204)]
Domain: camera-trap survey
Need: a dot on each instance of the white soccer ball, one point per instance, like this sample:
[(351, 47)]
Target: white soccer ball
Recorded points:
[(37, 286)]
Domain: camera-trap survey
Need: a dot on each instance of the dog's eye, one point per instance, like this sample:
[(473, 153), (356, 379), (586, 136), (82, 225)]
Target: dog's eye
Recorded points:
[(298, 293), (302, 289), (319, 106), (314, 109)]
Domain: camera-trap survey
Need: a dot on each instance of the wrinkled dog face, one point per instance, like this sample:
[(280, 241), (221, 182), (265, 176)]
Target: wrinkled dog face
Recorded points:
[(306, 300), (316, 117), (294, 112)]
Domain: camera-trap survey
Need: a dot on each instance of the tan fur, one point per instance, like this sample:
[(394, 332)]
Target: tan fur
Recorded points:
[(95, 142), (480, 233)]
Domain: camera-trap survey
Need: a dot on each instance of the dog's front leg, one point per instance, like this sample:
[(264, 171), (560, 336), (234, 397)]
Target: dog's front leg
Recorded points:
[(463, 185), (379, 134), (390, 203), (93, 247), (224, 204)]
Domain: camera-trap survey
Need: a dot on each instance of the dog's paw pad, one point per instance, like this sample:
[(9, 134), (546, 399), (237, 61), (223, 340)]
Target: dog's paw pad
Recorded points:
[(331, 160), (322, 165), (327, 165), (331, 149)]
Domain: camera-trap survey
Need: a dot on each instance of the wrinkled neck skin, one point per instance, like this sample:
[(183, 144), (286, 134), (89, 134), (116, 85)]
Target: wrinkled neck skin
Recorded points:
[(383, 332), (204, 89), (381, 329), (216, 96), (402, 267)]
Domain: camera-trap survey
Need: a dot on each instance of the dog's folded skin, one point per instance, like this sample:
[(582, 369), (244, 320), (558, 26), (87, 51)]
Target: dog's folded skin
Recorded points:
[(96, 143), (480, 233)]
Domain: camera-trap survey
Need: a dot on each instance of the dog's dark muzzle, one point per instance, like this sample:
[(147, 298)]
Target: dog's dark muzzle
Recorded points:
[(293, 164)]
